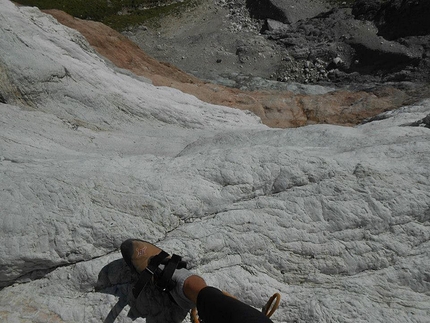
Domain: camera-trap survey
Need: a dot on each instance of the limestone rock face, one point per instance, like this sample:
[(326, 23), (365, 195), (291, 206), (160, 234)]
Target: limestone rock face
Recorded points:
[(334, 218)]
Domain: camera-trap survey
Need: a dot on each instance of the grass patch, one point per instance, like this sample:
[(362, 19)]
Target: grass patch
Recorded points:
[(150, 16), (118, 14)]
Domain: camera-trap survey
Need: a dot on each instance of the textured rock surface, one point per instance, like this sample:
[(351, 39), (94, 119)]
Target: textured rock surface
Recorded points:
[(219, 41), (335, 218), (287, 11)]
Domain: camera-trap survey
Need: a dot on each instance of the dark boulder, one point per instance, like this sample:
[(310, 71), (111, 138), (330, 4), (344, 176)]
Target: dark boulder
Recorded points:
[(366, 9), (401, 18), (425, 122), (375, 55), (266, 9)]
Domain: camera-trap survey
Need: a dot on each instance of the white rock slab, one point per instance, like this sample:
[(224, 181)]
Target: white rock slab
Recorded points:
[(336, 219)]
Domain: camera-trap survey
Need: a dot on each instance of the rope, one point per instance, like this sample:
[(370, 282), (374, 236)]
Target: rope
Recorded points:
[(194, 316), (270, 308)]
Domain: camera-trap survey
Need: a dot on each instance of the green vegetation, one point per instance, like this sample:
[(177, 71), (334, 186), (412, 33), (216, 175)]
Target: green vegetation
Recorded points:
[(118, 14)]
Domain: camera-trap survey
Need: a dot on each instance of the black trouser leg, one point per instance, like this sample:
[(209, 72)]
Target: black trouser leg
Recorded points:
[(215, 307)]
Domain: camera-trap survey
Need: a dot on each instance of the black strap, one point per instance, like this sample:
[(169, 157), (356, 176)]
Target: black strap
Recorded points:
[(164, 281), (146, 275), (182, 263)]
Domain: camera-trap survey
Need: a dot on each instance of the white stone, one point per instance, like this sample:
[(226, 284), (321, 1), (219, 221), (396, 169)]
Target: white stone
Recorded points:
[(334, 218)]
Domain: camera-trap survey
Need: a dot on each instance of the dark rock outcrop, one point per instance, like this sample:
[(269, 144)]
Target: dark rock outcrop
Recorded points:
[(425, 122), (395, 18), (373, 55), (359, 44), (402, 18), (266, 9), (366, 9)]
